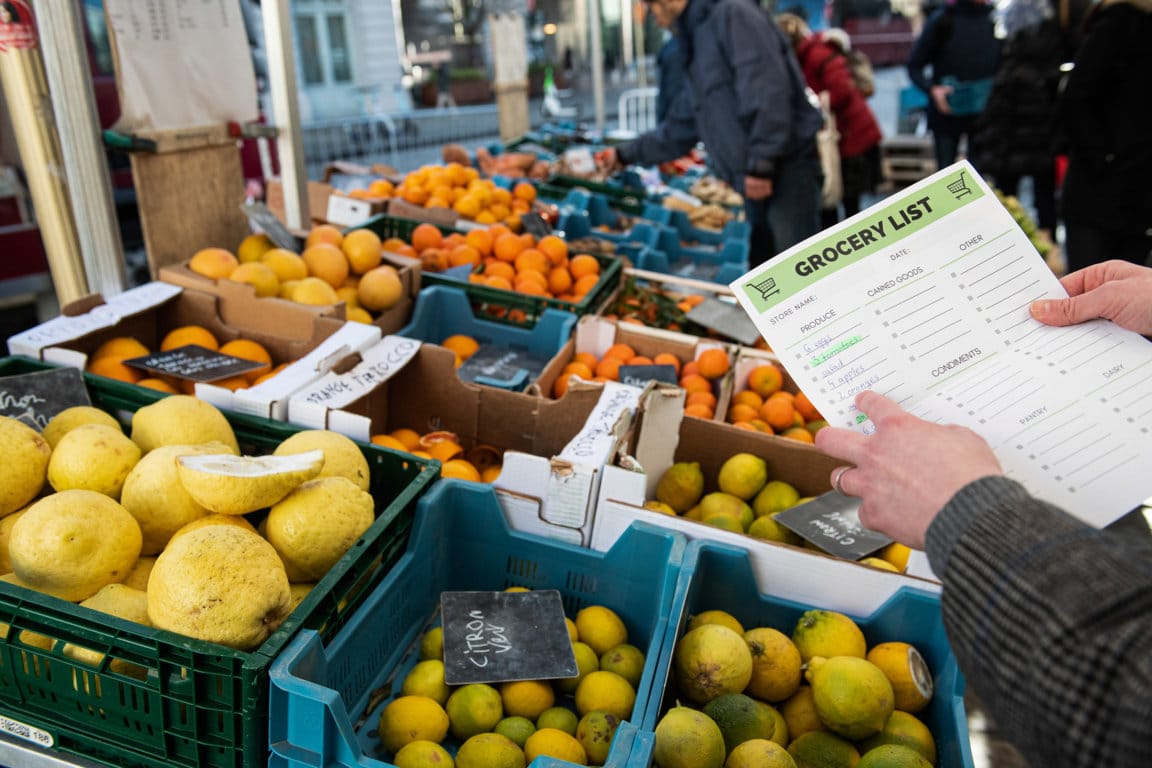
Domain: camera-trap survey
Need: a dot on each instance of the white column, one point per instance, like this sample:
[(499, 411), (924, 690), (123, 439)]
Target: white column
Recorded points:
[(286, 111)]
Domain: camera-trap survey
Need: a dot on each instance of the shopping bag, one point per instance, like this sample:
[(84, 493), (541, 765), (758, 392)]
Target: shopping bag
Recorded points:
[(828, 143)]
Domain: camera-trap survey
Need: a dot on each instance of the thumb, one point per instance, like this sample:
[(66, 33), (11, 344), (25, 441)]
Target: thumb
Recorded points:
[(1070, 311)]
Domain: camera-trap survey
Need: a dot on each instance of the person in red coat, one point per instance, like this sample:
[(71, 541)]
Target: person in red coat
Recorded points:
[(825, 68)]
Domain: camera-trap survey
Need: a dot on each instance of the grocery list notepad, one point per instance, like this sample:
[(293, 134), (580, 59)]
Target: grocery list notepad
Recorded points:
[(924, 298)]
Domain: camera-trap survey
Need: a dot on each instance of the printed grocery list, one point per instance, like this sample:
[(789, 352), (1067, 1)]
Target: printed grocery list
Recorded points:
[(924, 298)]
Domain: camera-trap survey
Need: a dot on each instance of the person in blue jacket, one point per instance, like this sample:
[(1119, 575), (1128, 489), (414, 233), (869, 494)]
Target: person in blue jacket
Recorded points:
[(954, 61), (744, 97)]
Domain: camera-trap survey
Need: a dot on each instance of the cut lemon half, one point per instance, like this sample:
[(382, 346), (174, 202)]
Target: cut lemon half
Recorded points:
[(237, 485)]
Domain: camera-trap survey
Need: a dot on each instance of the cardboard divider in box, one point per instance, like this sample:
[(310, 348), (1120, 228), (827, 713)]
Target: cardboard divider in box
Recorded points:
[(185, 703), (784, 570), (553, 452), (721, 577), (509, 357), (596, 335), (304, 339), (388, 321), (324, 700)]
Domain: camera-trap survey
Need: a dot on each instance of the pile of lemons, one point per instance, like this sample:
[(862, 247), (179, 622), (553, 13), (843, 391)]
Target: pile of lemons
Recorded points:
[(759, 697), (169, 526), (508, 725), (333, 267)]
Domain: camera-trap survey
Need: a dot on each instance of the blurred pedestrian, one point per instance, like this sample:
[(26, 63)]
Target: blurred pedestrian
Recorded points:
[(1016, 134), (823, 59), (954, 61), (1105, 113), (670, 75), (745, 98), (444, 98)]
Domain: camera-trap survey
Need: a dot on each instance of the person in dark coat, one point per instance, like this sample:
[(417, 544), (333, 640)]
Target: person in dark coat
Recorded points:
[(825, 67), (1105, 114), (744, 97), (670, 71), (953, 61), (1016, 133)]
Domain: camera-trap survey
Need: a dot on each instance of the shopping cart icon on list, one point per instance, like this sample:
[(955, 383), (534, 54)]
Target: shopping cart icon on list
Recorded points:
[(958, 187), (766, 287)]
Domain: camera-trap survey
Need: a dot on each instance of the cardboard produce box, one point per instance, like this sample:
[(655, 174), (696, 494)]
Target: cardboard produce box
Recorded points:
[(291, 333), (783, 570), (554, 451)]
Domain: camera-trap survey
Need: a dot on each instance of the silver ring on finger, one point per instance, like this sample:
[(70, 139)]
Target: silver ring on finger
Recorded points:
[(837, 477)]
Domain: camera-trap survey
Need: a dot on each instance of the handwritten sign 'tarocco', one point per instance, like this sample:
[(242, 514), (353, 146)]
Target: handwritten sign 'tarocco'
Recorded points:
[(492, 637)]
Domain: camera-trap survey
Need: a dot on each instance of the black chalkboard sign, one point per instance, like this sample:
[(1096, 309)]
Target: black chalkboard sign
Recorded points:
[(830, 521), (640, 375), (503, 367), (34, 398), (193, 362), (267, 222), (492, 637), (727, 319), (534, 224)]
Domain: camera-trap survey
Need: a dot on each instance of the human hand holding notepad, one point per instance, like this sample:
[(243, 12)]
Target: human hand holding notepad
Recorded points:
[(925, 298)]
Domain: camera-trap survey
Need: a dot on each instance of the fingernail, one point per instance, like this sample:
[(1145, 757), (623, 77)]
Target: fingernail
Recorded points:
[(1040, 307)]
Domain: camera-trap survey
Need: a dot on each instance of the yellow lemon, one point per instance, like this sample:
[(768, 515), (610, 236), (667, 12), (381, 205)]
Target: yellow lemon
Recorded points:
[(70, 418), (828, 634), (743, 475), (181, 420), (94, 457), (687, 738), (601, 628), (759, 753), (595, 732), (555, 743), (741, 718), (880, 563), (775, 496), (317, 523), (412, 718), (586, 661), (906, 669), (824, 749), (709, 661), (426, 678), (342, 456), (681, 486), (526, 698), (768, 528), (236, 485), (26, 455), (474, 708), (606, 691), (715, 617), (625, 660), (422, 754), (558, 717), (432, 644), (489, 750), (852, 696), (799, 712), (893, 756), (775, 664), (897, 554), (516, 728), (905, 730)]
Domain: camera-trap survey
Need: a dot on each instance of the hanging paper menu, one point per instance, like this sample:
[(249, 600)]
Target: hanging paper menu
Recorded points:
[(924, 298)]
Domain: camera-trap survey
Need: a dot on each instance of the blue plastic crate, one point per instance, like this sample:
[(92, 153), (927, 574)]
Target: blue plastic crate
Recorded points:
[(583, 212), (322, 711), (723, 264), (910, 615), (733, 230), (442, 311)]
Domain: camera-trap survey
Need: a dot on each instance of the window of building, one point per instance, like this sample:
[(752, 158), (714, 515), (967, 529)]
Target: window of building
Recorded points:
[(322, 42)]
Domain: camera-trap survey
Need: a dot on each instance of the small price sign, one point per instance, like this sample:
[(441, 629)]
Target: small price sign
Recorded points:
[(831, 521), (640, 375), (34, 398), (193, 362), (493, 637)]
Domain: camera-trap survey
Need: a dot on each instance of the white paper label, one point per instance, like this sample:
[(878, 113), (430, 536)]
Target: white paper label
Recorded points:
[(593, 445), (346, 211), (379, 363)]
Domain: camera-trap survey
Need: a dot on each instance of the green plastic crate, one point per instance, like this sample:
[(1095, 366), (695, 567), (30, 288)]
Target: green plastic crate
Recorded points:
[(508, 306), (201, 705)]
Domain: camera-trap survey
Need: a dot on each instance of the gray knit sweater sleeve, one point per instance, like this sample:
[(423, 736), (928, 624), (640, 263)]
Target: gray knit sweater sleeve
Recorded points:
[(1051, 622)]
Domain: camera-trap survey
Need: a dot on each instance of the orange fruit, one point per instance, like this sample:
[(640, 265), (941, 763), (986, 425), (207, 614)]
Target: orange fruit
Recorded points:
[(559, 281), (216, 263), (748, 397), (362, 250), (700, 411), (434, 260), (409, 438), (286, 264), (381, 188), (460, 469), (741, 412), (463, 254), (189, 334), (804, 406), (765, 379), (314, 291), (158, 384), (583, 264), (389, 442), (694, 382), (323, 233), (609, 368), (426, 235), (779, 413), (327, 262), (524, 190), (500, 269), (481, 240), (464, 346), (249, 350), (113, 367), (701, 398), (587, 358), (554, 248), (560, 386), (585, 284), (798, 433), (394, 245), (639, 360), (667, 358), (531, 258), (121, 347), (620, 351), (690, 367), (380, 288), (576, 368), (253, 247), (713, 363), (507, 247), (258, 275), (496, 281)]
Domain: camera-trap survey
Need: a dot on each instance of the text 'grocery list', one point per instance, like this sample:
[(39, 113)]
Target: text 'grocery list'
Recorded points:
[(924, 298)]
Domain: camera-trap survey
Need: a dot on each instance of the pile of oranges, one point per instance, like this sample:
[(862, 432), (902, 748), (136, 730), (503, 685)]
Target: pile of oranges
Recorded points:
[(482, 464), (332, 267), (459, 188), (762, 405), (108, 360), (698, 377), (500, 258)]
